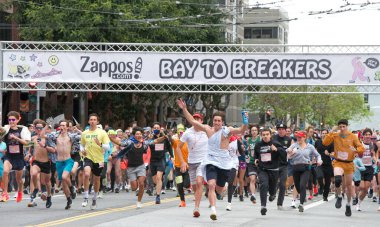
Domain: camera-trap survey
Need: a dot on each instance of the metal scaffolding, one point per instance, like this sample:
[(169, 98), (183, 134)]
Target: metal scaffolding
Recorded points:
[(186, 48)]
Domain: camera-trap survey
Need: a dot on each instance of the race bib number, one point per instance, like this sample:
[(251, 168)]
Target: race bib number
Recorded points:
[(14, 149), (266, 157), (159, 147), (342, 155)]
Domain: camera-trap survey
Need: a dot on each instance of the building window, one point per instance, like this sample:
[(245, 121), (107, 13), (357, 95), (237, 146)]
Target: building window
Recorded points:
[(262, 33)]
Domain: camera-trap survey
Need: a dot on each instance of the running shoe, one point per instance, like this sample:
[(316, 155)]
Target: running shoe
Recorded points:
[(272, 197), (100, 195), (358, 207), (138, 205), (93, 205), (263, 211), (117, 190), (5, 197), (325, 199), (26, 190), (48, 202), (196, 213), (300, 208), (370, 193), (241, 198), (338, 203), (378, 209), (44, 196), (229, 207), (158, 200), (253, 199), (315, 191), (182, 204), (15, 195), (34, 194), (85, 202), (73, 192), (163, 192), (149, 192), (246, 195), (355, 201), (374, 199), (310, 197), (294, 205), (32, 203), (279, 207), (213, 215), (348, 211), (19, 197), (68, 204)]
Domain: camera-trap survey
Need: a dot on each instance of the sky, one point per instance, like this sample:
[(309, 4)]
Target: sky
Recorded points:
[(358, 27)]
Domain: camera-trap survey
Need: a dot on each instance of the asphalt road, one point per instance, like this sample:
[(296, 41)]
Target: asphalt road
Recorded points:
[(120, 210)]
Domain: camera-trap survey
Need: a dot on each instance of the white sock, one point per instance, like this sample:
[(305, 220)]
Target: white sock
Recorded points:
[(213, 209), (95, 196), (85, 195)]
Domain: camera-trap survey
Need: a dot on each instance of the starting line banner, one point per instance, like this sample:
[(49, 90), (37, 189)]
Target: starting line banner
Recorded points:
[(191, 68)]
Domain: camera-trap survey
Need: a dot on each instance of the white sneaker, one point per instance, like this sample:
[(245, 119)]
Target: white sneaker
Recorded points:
[(100, 195), (358, 207), (85, 202), (173, 189), (279, 207), (15, 196), (138, 205), (294, 205), (378, 209), (163, 192), (93, 205), (229, 207)]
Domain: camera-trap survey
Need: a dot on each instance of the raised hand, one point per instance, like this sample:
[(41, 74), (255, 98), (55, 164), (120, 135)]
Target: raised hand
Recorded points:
[(181, 104)]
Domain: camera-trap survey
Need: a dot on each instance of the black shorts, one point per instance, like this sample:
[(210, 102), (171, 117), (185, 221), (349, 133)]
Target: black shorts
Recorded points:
[(76, 157), (215, 173), (17, 163), (367, 174), (182, 177), (45, 167), (157, 166), (251, 169), (95, 168), (357, 183)]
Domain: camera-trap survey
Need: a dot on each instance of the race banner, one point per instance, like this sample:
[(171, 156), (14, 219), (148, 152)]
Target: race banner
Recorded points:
[(191, 68)]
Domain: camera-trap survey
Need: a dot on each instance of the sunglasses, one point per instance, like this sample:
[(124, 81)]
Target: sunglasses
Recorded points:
[(12, 119), (39, 128)]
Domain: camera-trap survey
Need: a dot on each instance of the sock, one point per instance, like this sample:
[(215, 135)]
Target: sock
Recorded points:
[(108, 185), (95, 196), (348, 204), (85, 195), (213, 209)]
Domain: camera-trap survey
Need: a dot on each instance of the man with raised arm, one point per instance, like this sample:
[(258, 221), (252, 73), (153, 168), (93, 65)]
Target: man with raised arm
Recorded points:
[(217, 163)]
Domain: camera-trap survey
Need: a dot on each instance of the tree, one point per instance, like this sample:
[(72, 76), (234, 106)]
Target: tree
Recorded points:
[(313, 108), (138, 21)]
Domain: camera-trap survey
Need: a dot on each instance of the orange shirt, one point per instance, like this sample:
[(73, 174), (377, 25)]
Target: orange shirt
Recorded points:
[(342, 145), (184, 151)]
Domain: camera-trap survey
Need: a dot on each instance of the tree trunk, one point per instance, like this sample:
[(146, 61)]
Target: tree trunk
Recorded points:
[(69, 105)]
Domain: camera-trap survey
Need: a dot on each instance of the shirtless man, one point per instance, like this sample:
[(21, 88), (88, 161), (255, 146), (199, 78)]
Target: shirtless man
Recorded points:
[(218, 163), (41, 163), (65, 163)]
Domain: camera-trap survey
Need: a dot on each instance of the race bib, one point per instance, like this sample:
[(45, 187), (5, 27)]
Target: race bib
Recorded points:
[(266, 157), (14, 149), (367, 160), (342, 155), (101, 164), (159, 147)]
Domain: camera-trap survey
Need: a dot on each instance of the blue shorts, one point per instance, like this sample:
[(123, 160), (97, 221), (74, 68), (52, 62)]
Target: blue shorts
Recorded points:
[(66, 165)]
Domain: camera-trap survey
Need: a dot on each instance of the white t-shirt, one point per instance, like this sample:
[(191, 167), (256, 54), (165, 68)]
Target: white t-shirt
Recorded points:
[(234, 153), (196, 143)]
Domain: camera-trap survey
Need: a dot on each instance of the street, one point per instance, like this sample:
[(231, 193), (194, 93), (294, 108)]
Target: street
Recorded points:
[(120, 210)]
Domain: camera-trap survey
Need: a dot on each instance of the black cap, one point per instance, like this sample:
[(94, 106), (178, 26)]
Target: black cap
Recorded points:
[(281, 126), (343, 122)]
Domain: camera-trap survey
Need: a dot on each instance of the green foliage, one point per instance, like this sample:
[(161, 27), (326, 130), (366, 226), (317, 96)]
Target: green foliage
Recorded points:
[(313, 108)]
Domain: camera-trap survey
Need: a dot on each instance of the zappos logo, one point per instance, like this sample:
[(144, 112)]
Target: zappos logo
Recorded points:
[(115, 70)]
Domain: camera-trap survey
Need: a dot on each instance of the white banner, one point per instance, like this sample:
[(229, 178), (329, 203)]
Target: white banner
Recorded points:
[(191, 68)]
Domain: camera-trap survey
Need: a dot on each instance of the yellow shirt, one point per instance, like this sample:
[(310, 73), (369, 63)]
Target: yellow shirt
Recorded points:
[(94, 152), (342, 145)]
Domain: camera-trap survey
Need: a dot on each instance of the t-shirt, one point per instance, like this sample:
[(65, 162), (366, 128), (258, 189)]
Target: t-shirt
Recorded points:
[(184, 151), (196, 144), (342, 145), (250, 149), (93, 150)]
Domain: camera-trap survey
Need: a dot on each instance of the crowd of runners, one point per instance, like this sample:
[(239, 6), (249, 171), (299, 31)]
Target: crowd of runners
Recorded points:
[(248, 162)]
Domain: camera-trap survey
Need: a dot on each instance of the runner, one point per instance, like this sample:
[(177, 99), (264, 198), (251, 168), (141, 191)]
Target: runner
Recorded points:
[(64, 164), (300, 152), (267, 158), (182, 177), (136, 168), (41, 164), (15, 137), (217, 164), (346, 144), (285, 142), (75, 155), (93, 142), (197, 146), (251, 167), (368, 159)]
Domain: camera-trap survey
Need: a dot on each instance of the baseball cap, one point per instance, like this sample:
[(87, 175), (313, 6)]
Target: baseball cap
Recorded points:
[(281, 126), (300, 134), (197, 115), (112, 132)]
